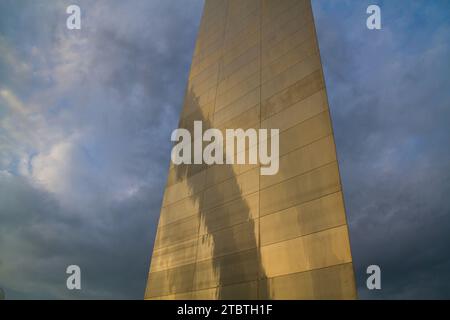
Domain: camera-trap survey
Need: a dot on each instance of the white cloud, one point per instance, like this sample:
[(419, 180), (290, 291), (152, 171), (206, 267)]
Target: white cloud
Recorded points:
[(84, 141)]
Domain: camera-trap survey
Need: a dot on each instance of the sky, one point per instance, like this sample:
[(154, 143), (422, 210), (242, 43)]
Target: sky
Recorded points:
[(86, 117), (390, 104)]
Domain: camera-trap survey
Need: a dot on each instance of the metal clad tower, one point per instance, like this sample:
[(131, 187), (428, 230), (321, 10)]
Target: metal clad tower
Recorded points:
[(226, 231)]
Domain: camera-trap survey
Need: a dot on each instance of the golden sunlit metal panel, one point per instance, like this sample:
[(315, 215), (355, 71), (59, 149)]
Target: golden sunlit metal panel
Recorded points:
[(226, 231)]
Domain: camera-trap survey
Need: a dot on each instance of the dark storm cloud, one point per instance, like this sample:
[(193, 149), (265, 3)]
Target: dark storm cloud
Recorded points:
[(41, 238), (86, 118), (390, 105)]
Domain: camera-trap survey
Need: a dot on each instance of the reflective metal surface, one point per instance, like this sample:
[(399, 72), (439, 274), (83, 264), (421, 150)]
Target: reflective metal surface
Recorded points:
[(225, 231)]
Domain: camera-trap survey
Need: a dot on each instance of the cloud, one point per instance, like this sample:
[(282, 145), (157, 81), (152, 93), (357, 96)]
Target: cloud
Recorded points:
[(85, 124), (390, 110)]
